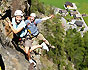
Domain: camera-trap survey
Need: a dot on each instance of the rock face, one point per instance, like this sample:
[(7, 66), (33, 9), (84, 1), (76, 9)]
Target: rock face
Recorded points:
[(22, 5), (13, 60), (14, 5)]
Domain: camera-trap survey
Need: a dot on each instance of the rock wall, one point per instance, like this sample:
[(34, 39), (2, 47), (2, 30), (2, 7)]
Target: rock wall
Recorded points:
[(22, 5), (13, 59)]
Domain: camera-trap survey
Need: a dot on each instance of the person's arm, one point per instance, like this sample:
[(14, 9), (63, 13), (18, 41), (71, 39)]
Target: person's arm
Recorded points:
[(43, 19), (47, 17), (15, 30), (27, 21)]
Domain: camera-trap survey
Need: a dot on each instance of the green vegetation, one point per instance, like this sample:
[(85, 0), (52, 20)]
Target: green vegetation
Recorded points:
[(86, 20), (81, 4), (72, 44), (68, 18), (71, 48), (74, 47)]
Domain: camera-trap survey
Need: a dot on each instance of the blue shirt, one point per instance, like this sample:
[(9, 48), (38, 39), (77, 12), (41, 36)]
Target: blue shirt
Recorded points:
[(32, 26), (20, 25)]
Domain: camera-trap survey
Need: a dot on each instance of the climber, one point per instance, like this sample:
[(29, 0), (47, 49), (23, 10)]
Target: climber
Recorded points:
[(33, 30), (19, 29), (18, 26)]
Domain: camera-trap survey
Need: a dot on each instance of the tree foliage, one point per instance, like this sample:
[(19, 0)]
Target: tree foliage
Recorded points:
[(71, 48), (74, 46)]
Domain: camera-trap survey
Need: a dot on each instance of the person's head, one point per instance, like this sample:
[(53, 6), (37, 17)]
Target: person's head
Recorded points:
[(33, 16), (18, 16)]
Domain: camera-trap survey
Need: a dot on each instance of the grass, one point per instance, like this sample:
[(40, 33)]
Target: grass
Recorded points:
[(81, 4), (68, 17), (86, 20)]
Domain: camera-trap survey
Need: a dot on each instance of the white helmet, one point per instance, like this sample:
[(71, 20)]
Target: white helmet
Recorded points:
[(33, 15), (18, 13)]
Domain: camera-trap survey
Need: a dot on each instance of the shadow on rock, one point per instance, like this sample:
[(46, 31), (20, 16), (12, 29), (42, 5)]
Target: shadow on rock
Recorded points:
[(2, 63)]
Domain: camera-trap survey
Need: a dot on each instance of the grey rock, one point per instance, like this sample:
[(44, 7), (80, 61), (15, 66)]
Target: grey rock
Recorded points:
[(11, 58)]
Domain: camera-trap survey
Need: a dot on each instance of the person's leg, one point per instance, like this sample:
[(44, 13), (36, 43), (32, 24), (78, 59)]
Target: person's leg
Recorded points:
[(28, 44), (41, 37), (35, 47), (43, 45), (46, 41), (15, 41), (29, 59), (29, 48)]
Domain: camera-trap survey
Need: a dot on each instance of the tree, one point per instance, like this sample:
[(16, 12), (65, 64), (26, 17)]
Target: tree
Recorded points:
[(74, 46)]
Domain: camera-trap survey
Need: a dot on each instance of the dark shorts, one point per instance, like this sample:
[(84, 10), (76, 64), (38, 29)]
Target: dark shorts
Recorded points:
[(26, 42)]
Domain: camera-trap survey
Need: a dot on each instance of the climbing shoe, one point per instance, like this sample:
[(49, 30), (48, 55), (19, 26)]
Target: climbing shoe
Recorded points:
[(32, 61), (44, 46)]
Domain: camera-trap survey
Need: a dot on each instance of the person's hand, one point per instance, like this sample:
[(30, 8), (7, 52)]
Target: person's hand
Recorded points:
[(9, 22), (52, 16)]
